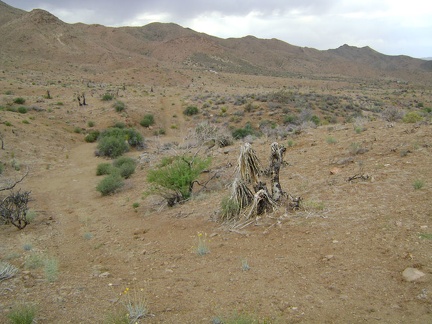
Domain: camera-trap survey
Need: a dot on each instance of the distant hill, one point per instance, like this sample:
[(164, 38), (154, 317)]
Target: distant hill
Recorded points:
[(38, 37)]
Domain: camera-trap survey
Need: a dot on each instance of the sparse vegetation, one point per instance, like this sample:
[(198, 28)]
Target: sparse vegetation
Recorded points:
[(51, 269), (103, 169), (119, 106), (115, 141), (125, 165), (19, 101), (22, 314), (418, 184), (107, 97), (191, 110), (110, 184), (147, 120), (202, 245), (92, 136), (412, 117)]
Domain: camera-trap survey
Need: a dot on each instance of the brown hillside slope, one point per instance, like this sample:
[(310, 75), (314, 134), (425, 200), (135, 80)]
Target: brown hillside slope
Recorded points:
[(38, 35)]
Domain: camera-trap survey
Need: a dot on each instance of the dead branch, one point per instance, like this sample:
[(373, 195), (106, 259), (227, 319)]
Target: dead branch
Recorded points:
[(10, 187)]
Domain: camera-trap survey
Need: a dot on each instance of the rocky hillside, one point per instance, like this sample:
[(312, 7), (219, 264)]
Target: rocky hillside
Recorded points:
[(39, 37)]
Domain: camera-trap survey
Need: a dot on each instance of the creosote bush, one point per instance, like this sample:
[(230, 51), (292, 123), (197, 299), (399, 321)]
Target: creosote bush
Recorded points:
[(19, 101), (110, 184), (113, 142), (412, 117), (92, 136), (173, 179), (147, 120), (107, 97), (125, 165), (191, 110), (119, 106)]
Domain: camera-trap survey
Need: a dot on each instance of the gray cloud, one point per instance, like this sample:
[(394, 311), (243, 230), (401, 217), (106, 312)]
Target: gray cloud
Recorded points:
[(391, 27)]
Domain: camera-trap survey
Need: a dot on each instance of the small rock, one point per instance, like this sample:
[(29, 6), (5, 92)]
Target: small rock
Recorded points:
[(328, 257), (412, 274), (105, 274), (334, 171)]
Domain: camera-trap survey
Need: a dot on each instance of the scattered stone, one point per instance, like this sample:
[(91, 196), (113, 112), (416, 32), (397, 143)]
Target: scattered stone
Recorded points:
[(412, 274), (105, 274), (334, 171), (328, 257)]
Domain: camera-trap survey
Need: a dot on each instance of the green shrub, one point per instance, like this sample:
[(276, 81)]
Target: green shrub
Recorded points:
[(110, 184), (115, 141), (229, 208), (90, 123), (19, 101), (190, 111), (174, 180), (112, 146), (125, 165), (243, 132), (411, 117), (418, 184), (119, 125), (22, 314), (103, 169), (119, 106), (77, 130), (290, 119), (1, 168), (107, 97), (22, 110), (147, 120), (92, 136)]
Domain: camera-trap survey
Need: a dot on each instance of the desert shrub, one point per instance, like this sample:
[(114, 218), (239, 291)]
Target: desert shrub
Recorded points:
[(119, 125), (174, 179), (290, 119), (190, 111), (110, 184), (13, 209), (90, 123), (392, 114), (19, 101), (229, 208), (107, 97), (119, 106), (103, 169), (411, 117), (1, 167), (22, 110), (206, 131), (147, 120), (240, 133), (92, 136), (315, 119), (22, 314), (115, 141), (125, 165), (418, 184), (112, 147)]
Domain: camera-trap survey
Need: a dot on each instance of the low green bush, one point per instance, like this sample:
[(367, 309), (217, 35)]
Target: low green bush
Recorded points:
[(412, 117), (147, 120), (113, 142), (19, 101), (240, 133), (125, 165), (190, 111), (110, 184), (107, 97), (22, 110), (119, 106), (103, 169), (92, 136)]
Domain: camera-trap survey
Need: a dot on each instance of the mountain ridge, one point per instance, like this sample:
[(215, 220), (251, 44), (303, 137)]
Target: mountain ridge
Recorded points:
[(41, 36)]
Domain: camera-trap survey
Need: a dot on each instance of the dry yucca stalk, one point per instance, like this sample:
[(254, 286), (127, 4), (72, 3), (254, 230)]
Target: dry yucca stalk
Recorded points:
[(241, 194), (262, 203), (248, 166)]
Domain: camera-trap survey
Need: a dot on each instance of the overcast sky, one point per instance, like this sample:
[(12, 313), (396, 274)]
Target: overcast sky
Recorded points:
[(391, 27)]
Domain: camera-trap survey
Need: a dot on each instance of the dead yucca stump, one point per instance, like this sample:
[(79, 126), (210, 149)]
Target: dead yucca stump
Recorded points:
[(248, 175)]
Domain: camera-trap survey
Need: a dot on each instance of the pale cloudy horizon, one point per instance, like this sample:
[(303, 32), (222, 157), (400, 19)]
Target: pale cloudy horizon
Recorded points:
[(389, 27)]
